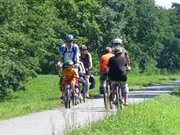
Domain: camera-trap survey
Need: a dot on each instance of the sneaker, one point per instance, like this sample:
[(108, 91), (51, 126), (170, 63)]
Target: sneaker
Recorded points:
[(87, 95), (125, 104), (80, 97)]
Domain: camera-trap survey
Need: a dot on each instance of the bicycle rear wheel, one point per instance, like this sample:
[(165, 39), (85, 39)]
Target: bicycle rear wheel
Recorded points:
[(106, 96), (67, 100), (117, 98)]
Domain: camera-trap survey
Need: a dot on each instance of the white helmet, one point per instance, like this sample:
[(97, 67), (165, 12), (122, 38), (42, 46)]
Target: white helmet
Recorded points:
[(117, 41)]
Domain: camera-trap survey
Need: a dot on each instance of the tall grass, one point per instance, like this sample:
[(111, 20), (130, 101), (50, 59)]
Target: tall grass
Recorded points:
[(155, 117)]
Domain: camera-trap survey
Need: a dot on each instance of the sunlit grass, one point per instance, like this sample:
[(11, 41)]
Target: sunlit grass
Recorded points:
[(39, 94), (43, 93), (154, 117)]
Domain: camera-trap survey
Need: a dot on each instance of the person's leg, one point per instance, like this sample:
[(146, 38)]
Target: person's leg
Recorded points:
[(125, 90), (84, 85), (112, 93), (88, 84), (102, 82), (73, 84)]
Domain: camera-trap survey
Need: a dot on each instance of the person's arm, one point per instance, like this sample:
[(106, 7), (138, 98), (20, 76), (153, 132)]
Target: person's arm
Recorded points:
[(90, 61), (77, 54), (61, 51), (109, 63), (127, 58), (100, 63), (128, 61), (83, 68)]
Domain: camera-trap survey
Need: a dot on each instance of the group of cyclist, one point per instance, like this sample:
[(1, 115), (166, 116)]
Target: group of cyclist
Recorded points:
[(75, 66), (114, 66)]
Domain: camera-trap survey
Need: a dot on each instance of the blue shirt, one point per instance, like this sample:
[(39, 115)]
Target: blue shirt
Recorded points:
[(69, 54)]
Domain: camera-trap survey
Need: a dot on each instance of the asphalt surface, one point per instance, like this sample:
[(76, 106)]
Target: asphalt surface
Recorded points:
[(57, 121)]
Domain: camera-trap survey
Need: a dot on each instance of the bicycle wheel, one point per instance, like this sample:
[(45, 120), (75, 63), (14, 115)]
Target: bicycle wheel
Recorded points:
[(120, 98), (67, 100), (118, 104), (106, 96)]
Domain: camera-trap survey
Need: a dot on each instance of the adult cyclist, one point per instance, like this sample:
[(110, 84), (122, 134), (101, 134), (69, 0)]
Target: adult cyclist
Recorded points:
[(68, 51), (86, 59), (103, 62), (118, 73), (117, 43)]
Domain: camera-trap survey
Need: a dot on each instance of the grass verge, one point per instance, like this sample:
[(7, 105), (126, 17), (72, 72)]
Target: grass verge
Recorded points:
[(176, 92), (146, 80), (42, 93), (159, 116), (39, 94), (140, 80)]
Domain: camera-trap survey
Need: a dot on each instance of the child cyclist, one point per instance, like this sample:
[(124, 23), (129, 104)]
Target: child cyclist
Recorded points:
[(70, 76)]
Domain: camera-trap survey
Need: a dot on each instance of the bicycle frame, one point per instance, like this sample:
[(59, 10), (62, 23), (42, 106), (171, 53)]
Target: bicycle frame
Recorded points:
[(117, 92)]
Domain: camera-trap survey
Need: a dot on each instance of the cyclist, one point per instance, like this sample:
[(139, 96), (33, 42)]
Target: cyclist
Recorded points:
[(104, 68), (68, 51), (69, 76), (118, 73), (82, 78), (86, 59), (118, 43)]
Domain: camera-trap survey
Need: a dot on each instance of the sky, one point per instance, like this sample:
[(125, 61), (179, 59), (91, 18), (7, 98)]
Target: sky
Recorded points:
[(166, 3)]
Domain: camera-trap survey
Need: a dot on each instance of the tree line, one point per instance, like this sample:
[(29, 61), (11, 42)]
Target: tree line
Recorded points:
[(31, 31)]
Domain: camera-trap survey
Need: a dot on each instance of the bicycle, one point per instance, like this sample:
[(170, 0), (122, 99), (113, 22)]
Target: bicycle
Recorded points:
[(72, 95), (106, 93), (67, 95), (116, 95)]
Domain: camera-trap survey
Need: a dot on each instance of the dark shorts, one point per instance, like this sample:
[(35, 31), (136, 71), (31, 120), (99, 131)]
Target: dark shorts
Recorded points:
[(103, 75)]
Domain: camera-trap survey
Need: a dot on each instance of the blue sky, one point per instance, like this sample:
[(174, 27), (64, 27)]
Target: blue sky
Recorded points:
[(166, 3)]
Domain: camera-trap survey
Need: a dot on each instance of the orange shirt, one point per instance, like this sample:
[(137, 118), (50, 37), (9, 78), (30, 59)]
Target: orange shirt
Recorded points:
[(69, 74), (104, 61)]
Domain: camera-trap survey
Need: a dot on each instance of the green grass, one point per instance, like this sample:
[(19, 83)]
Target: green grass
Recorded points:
[(159, 116), (176, 92), (42, 93), (146, 80), (39, 94), (140, 80)]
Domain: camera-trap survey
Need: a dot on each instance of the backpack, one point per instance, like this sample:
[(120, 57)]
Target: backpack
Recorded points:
[(92, 81), (73, 51)]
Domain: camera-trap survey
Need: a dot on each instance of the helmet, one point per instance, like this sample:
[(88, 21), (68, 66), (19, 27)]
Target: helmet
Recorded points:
[(68, 63), (83, 47), (69, 37), (117, 41)]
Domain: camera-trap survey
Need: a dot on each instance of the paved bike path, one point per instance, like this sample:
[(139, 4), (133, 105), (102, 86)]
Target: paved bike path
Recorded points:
[(59, 119)]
